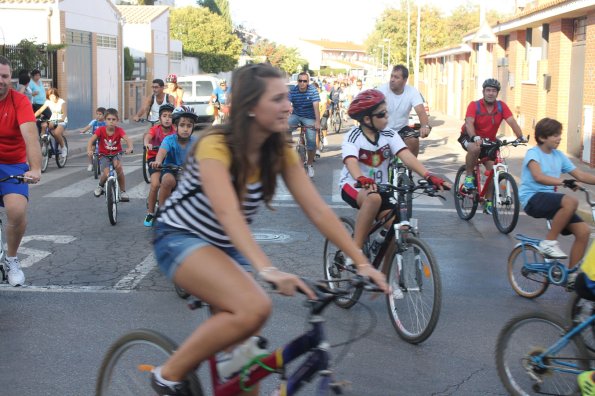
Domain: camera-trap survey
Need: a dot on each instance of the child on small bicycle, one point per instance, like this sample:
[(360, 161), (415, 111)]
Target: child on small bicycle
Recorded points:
[(173, 149), (110, 137), (97, 122), (367, 150), (152, 141), (540, 176)]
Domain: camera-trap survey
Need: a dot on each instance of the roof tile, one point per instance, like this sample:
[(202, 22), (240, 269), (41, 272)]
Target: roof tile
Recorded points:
[(141, 14), (337, 45)]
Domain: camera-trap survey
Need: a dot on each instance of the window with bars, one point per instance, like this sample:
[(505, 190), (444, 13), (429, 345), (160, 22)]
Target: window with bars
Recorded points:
[(580, 29), (175, 55), (107, 41)]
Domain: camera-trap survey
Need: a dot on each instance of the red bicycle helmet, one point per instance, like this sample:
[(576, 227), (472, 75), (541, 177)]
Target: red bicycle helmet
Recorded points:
[(364, 103), (172, 78)]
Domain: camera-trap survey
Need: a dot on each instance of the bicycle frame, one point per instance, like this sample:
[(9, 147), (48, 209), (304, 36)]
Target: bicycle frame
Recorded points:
[(112, 176), (557, 347), (313, 341), (491, 175)]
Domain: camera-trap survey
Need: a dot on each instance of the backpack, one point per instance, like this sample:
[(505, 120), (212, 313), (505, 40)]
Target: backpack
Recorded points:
[(479, 113)]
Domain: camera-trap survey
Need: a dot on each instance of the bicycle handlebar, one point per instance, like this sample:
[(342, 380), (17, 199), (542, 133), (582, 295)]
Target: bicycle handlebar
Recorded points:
[(500, 143), (571, 183), (422, 184), (111, 156), (19, 178)]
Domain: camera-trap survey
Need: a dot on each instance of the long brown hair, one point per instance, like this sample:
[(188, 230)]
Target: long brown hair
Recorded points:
[(248, 83)]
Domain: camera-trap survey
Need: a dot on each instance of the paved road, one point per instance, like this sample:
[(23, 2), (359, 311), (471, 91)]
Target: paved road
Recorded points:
[(89, 282)]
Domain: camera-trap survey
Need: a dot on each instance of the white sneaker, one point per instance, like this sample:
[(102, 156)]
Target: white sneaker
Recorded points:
[(90, 168), (16, 277), (124, 197), (324, 141), (317, 153), (64, 152), (98, 191), (551, 249), (310, 170)]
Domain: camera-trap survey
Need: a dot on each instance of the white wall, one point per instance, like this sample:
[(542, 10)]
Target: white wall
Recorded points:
[(107, 77), (189, 66), (160, 29), (138, 38), (23, 23), (99, 16), (161, 69)]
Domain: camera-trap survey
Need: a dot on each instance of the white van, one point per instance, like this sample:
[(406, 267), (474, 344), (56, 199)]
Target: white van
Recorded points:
[(198, 89)]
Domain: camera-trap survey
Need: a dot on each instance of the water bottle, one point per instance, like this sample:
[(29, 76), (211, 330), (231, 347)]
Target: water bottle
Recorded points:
[(378, 239), (233, 362)]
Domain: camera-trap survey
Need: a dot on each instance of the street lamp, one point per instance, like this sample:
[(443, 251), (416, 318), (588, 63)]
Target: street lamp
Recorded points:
[(388, 60)]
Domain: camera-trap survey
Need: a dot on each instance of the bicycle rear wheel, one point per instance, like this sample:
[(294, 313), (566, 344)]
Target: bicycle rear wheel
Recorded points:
[(112, 203), (96, 169), (61, 160), (125, 369), (146, 174), (414, 304), (581, 309), (335, 268), (465, 201), (45, 155), (506, 203), (524, 281), (526, 337)]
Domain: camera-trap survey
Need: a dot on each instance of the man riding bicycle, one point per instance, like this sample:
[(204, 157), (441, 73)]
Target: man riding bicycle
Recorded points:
[(482, 121)]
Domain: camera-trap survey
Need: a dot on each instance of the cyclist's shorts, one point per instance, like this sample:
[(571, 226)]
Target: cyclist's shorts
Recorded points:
[(465, 140), (349, 195), (585, 287), (295, 121), (173, 245), (175, 174), (408, 132), (150, 168), (104, 161), (11, 186), (545, 205)]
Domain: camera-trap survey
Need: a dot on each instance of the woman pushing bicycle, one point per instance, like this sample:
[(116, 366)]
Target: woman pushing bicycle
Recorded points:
[(202, 239), (367, 151)]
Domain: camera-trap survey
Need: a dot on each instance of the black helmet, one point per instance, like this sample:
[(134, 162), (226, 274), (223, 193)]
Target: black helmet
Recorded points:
[(491, 82), (184, 111), (166, 107)]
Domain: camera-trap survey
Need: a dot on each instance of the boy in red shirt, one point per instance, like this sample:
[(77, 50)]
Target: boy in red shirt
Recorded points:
[(152, 141), (110, 137)]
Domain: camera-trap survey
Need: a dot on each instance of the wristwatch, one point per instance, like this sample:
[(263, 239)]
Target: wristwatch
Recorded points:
[(476, 138), (427, 126)]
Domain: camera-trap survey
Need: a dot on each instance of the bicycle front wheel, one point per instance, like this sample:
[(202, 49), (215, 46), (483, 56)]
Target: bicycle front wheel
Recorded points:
[(146, 174), (112, 203), (60, 159), (523, 365), (506, 203), (125, 369), (580, 310), (337, 121), (96, 169), (526, 282), (336, 269), (45, 155), (405, 181), (465, 201), (414, 304)]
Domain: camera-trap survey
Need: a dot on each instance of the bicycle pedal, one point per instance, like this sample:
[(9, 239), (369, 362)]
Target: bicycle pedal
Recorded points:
[(339, 386)]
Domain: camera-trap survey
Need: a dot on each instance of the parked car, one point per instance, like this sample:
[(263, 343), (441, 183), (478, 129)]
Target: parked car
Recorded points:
[(197, 94), (414, 119)]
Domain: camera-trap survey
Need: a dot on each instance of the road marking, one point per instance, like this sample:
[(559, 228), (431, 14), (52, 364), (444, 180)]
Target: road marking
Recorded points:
[(83, 187), (56, 174), (140, 191), (335, 187), (134, 277), (62, 289), (36, 255)]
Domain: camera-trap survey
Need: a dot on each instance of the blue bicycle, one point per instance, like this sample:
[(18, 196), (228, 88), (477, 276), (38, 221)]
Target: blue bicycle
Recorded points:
[(539, 354), (50, 147), (530, 272)]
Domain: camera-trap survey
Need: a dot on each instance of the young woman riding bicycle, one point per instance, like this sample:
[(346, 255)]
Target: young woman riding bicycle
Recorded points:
[(202, 238)]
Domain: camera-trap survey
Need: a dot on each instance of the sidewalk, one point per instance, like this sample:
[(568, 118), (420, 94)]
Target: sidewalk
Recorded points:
[(77, 143), (449, 129)]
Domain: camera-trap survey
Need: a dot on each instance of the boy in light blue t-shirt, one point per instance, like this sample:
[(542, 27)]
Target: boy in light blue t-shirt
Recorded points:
[(92, 126), (542, 167)]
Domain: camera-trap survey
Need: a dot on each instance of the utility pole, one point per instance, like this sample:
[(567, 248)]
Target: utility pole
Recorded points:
[(408, 33), (417, 45)]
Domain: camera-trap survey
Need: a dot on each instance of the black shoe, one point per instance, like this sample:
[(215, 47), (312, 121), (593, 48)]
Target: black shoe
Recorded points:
[(180, 389)]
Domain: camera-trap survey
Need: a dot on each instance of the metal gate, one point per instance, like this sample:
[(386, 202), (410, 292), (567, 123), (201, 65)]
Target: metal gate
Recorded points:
[(79, 78)]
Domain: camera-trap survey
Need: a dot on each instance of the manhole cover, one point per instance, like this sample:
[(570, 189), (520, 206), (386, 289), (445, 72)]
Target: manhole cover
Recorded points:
[(268, 237)]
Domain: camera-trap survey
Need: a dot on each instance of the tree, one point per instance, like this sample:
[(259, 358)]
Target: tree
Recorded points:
[(146, 2), (286, 59), (128, 64), (206, 36), (219, 7)]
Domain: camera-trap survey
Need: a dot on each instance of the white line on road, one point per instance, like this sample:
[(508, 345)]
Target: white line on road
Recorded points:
[(134, 277), (83, 187), (56, 174)]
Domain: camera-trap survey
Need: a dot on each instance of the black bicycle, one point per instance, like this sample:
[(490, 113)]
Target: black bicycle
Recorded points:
[(412, 269)]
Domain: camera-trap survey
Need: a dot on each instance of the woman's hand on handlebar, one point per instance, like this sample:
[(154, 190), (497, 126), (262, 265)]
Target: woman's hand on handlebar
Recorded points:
[(374, 275), (366, 183), (155, 164), (285, 283), (438, 182)]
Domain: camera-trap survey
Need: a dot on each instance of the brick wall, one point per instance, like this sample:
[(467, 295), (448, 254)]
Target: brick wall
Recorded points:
[(61, 54), (589, 79)]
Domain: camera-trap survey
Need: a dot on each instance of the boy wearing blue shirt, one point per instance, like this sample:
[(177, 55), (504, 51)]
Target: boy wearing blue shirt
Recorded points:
[(174, 148), (540, 177), (93, 125)]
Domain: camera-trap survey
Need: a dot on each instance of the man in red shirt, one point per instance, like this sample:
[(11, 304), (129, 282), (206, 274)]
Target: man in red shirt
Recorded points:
[(19, 145), (482, 121)]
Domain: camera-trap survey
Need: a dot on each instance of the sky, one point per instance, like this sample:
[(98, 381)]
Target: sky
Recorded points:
[(285, 21)]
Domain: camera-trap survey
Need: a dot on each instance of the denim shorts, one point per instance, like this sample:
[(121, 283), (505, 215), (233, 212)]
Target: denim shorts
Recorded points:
[(296, 121), (12, 186), (173, 245)]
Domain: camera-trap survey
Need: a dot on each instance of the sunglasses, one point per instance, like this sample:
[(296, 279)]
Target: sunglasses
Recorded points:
[(303, 81), (382, 114), (156, 86)]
